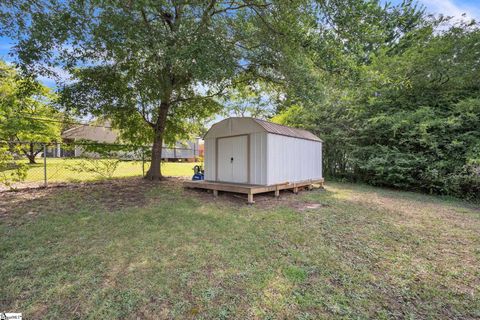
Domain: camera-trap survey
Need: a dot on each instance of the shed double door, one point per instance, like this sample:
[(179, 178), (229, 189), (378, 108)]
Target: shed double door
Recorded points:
[(233, 159)]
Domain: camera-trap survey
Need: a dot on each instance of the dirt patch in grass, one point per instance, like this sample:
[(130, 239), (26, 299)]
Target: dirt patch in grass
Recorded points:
[(124, 193), (112, 195)]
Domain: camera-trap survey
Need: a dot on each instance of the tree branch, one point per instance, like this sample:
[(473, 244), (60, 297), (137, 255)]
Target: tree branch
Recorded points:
[(145, 20), (35, 153), (246, 4), (143, 113), (206, 14), (212, 95), (266, 23), (166, 18), (229, 9)]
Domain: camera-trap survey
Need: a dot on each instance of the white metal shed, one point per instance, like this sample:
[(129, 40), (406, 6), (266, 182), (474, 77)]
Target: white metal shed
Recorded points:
[(258, 152)]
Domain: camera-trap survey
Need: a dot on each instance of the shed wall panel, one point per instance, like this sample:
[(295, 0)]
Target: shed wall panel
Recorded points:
[(258, 158), (209, 159), (292, 159)]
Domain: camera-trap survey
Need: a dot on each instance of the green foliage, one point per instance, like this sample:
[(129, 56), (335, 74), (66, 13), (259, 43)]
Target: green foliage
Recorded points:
[(27, 113), (393, 93), (155, 67), (410, 117), (249, 98), (10, 170)]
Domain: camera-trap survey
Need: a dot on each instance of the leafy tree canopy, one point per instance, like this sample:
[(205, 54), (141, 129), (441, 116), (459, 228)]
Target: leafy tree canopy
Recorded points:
[(27, 115), (145, 64), (409, 118)]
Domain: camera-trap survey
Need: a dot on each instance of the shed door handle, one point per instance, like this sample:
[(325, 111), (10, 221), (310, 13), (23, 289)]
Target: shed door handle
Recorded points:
[(231, 160)]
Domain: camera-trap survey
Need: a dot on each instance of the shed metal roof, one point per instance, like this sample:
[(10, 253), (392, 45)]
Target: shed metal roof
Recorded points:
[(264, 125), (286, 131)]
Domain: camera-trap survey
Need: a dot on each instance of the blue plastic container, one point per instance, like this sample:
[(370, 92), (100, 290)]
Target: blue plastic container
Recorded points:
[(198, 176)]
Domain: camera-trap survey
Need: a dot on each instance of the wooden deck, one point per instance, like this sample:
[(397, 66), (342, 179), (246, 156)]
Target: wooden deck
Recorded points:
[(249, 189)]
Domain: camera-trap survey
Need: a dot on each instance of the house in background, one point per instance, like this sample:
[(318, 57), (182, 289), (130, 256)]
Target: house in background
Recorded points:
[(97, 133), (182, 151)]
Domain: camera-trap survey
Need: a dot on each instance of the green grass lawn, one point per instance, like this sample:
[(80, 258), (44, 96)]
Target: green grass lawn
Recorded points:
[(141, 250), (63, 170)]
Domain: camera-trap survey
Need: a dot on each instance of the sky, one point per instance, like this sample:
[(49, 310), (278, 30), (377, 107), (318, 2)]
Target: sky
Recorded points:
[(454, 7), (447, 7)]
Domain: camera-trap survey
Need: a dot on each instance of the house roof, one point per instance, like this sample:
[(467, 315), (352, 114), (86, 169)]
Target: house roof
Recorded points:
[(99, 133), (243, 125)]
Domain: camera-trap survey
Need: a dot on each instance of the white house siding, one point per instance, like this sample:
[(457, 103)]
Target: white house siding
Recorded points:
[(258, 158), (209, 159), (167, 153), (292, 159), (182, 153), (183, 150)]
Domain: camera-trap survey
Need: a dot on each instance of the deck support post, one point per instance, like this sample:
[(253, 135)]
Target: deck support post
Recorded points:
[(215, 193), (277, 192), (250, 198), (295, 188)]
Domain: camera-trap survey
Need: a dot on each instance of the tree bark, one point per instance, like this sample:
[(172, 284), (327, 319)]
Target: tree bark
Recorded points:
[(155, 170), (31, 159), (31, 155)]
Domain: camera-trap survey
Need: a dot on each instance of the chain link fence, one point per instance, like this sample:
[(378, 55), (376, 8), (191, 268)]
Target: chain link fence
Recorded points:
[(36, 164)]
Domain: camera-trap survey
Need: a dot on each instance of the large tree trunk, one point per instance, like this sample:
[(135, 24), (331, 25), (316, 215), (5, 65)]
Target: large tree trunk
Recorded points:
[(155, 170)]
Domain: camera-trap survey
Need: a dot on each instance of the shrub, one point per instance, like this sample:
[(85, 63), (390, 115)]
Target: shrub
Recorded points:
[(10, 170)]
